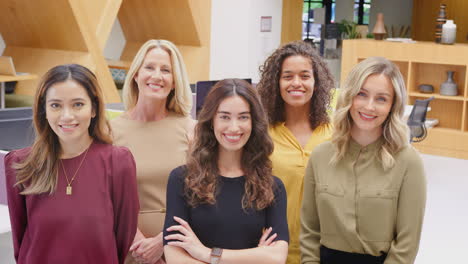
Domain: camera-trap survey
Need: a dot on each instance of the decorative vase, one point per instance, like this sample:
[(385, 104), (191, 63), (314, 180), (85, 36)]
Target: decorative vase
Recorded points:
[(441, 18), (449, 87), (449, 32), (379, 28)]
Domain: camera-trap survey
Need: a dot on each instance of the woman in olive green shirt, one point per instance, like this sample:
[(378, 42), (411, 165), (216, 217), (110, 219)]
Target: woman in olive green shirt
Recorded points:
[(365, 190)]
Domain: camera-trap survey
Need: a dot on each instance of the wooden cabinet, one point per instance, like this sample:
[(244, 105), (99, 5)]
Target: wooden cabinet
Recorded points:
[(425, 63)]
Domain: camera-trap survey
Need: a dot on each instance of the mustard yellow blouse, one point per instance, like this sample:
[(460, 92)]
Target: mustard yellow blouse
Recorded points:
[(289, 160)]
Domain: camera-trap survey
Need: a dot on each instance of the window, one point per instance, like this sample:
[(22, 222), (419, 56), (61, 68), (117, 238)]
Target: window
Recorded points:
[(309, 29), (361, 11)]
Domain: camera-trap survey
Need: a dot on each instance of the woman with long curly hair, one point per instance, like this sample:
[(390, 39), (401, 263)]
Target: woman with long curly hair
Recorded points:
[(225, 197), (365, 190), (72, 196), (295, 90)]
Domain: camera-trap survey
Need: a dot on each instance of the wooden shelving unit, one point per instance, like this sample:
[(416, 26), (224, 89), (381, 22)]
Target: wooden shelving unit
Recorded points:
[(465, 129), (437, 96), (41, 34), (185, 23), (425, 63)]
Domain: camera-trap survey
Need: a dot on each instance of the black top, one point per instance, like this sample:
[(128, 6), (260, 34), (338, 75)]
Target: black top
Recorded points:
[(225, 224)]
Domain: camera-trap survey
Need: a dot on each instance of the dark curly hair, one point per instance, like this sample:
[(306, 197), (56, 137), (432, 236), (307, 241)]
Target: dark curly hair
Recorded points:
[(269, 89), (202, 162)]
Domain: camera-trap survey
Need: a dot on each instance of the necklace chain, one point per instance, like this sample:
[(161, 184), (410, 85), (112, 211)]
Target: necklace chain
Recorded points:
[(69, 182)]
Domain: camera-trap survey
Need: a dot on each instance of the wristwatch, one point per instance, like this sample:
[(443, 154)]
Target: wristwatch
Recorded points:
[(215, 255)]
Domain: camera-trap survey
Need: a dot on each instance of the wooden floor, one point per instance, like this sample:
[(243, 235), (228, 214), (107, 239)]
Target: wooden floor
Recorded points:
[(445, 232)]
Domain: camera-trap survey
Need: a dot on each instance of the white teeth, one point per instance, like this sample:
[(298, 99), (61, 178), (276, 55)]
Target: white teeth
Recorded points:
[(368, 116), (154, 86), (296, 92), (68, 126), (233, 137)]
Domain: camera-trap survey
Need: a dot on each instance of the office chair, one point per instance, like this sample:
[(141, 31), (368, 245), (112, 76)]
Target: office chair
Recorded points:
[(416, 120)]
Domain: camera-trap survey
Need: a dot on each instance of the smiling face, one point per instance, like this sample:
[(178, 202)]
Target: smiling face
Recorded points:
[(371, 106), (69, 111), (297, 81), (232, 124), (154, 78)]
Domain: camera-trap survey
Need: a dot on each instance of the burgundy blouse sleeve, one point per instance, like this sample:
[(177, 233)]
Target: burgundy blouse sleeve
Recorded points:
[(124, 199), (16, 203)]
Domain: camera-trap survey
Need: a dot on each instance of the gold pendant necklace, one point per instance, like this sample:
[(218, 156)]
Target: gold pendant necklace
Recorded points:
[(69, 182)]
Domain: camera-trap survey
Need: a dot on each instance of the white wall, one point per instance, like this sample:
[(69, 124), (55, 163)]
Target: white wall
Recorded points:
[(2, 44), (262, 44), (229, 39), (238, 47), (396, 13), (115, 43), (344, 9)]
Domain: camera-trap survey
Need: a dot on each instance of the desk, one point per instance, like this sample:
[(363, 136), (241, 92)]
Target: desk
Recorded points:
[(12, 78), (4, 219), (6, 241)]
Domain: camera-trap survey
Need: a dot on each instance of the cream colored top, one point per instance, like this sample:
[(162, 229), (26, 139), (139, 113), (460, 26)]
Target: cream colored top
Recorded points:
[(356, 206), (289, 160), (158, 147)]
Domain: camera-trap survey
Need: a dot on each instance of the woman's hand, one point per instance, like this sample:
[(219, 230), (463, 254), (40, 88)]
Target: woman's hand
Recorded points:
[(265, 240), (188, 240), (148, 250), (138, 236)]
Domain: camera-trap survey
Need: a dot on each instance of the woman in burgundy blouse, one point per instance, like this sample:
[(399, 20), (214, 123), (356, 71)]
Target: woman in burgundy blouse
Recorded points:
[(72, 195)]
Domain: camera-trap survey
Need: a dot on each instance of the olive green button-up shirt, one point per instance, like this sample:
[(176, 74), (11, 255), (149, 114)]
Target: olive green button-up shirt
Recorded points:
[(357, 206)]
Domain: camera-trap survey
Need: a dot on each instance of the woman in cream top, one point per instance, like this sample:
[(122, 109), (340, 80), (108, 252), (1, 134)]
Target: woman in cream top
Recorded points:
[(158, 147), (365, 190), (156, 128), (295, 90)]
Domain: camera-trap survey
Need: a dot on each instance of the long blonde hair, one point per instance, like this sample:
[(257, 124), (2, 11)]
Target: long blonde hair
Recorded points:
[(179, 100), (395, 130), (37, 173)]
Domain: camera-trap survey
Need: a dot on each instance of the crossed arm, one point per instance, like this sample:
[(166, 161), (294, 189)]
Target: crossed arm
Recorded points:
[(189, 249)]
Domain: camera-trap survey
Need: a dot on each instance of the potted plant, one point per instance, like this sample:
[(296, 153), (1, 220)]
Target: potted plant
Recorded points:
[(348, 29)]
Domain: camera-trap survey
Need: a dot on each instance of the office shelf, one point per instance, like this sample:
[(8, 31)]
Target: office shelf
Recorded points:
[(425, 63)]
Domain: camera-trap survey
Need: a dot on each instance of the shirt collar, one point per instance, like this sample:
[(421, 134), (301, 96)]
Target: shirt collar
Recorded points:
[(373, 147)]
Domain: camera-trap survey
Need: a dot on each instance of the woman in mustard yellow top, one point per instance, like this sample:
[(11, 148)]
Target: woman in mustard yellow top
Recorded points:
[(295, 89)]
